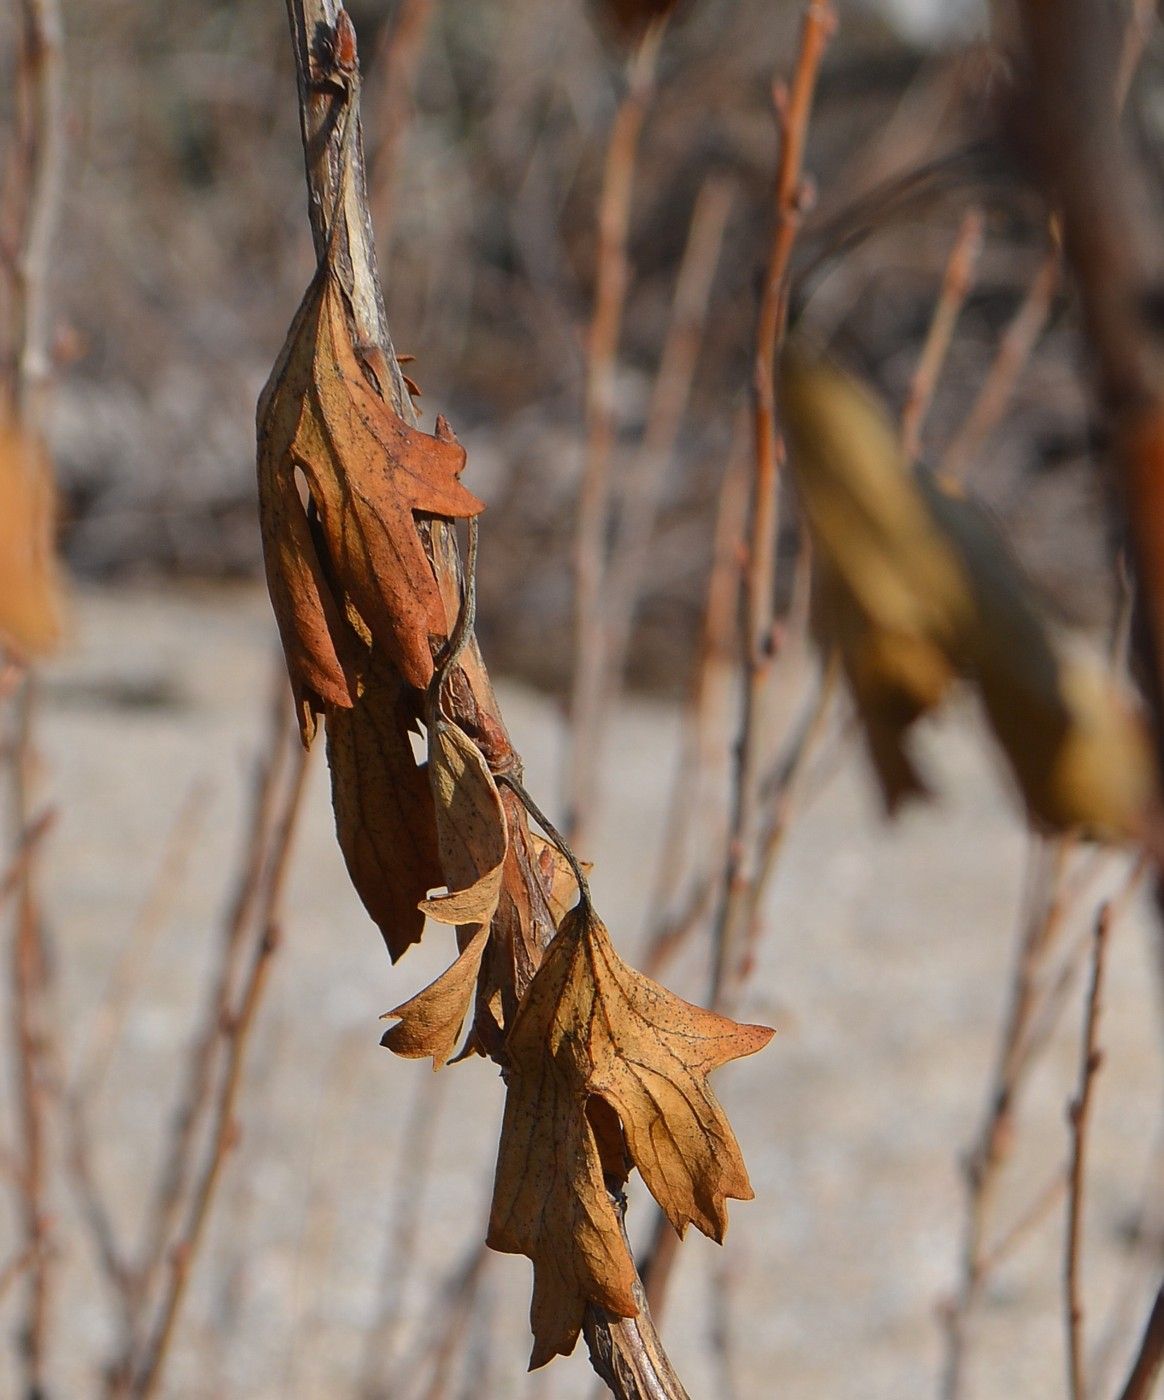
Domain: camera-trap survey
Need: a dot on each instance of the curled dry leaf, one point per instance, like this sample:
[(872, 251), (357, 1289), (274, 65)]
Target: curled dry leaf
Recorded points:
[(472, 840), (558, 878), (384, 812), (471, 827), (30, 596), (915, 588), (352, 554), (590, 1026), (431, 1021)]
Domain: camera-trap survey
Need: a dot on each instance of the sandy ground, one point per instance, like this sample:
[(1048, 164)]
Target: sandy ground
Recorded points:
[(885, 964)]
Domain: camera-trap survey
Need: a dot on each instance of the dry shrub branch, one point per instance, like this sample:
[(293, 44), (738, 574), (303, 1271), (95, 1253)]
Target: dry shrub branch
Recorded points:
[(604, 1070)]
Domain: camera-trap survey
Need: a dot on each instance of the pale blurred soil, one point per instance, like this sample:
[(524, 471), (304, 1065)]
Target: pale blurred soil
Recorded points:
[(885, 964)]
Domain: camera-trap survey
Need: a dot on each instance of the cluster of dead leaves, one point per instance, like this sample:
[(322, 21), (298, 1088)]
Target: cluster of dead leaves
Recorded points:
[(30, 594), (915, 589), (604, 1069)]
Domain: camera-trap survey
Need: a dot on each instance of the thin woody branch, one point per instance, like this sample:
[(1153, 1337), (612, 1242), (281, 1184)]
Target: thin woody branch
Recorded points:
[(591, 640), (751, 846), (1069, 125), (39, 145), (328, 80), (1150, 1355), (1079, 1115)]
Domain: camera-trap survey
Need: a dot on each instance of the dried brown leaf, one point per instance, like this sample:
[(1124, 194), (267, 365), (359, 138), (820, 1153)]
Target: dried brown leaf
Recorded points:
[(366, 471), (471, 827), (915, 587), (431, 1021), (30, 595), (1080, 752), (383, 807), (592, 1026)]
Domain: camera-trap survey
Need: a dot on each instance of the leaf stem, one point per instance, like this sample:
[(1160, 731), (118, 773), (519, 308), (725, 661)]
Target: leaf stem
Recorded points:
[(515, 785)]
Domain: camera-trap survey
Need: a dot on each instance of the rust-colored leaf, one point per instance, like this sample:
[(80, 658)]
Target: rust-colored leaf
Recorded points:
[(431, 1021), (471, 827), (365, 472), (30, 597), (592, 1026), (383, 807), (916, 588)]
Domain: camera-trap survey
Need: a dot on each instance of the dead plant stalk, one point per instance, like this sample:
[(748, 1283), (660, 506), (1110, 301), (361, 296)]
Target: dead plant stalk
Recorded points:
[(752, 846), (344, 243), (612, 277), (1042, 920), (267, 815), (956, 284), (1079, 1116), (224, 1130), (397, 61), (793, 108), (646, 475), (39, 144), (1149, 1356), (32, 1050)]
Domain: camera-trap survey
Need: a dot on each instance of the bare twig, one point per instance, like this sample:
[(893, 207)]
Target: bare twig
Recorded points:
[(612, 276), (146, 1373), (419, 1133), (109, 1020), (10, 881), (1058, 984), (1143, 1231), (722, 1297), (1014, 350), (40, 137), (955, 288), (14, 1269), (32, 1055), (1079, 1111), (396, 62), (1028, 1220), (1040, 924), (794, 107), (39, 143), (95, 1213), (200, 1069), (331, 1127), (695, 827), (647, 471), (750, 855), (430, 1361), (1149, 1356)]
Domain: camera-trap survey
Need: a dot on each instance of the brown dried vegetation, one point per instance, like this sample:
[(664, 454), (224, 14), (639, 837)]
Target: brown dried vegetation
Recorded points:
[(361, 616)]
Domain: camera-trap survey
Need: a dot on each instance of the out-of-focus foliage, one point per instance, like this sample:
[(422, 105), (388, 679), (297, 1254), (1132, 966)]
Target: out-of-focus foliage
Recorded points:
[(916, 588), (30, 600), (184, 251)]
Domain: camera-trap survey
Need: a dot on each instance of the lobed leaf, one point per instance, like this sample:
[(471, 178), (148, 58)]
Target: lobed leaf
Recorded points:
[(592, 1027)]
